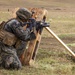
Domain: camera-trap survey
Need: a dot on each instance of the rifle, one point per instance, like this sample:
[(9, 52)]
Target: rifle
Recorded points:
[(36, 24)]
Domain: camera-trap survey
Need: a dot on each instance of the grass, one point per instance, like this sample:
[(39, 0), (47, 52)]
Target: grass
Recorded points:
[(49, 62), (4, 15), (62, 22), (47, 65), (71, 44)]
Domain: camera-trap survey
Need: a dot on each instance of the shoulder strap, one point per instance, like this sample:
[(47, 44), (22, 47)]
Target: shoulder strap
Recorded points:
[(9, 20), (2, 24)]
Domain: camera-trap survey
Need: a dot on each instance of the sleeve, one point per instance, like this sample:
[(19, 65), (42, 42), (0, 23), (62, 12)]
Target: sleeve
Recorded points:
[(20, 33)]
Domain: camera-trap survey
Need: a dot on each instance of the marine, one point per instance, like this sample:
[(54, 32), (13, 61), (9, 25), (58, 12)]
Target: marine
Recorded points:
[(9, 53)]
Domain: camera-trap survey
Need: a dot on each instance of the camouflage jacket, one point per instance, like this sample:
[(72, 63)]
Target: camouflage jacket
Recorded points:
[(15, 27)]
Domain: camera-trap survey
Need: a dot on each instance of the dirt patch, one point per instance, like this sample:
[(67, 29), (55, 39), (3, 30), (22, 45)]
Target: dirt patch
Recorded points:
[(51, 48), (51, 43)]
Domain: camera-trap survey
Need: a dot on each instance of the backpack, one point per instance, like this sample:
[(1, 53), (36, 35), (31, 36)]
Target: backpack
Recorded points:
[(6, 37)]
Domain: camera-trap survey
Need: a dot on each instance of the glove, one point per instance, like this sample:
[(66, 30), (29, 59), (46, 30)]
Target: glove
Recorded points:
[(32, 36), (32, 23), (29, 26)]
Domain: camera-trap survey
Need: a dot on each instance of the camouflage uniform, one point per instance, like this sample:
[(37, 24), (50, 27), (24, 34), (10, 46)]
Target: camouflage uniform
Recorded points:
[(9, 54), (9, 58)]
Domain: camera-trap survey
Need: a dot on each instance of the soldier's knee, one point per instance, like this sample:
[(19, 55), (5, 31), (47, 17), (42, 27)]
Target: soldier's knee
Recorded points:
[(6, 61), (16, 65), (12, 66), (11, 63)]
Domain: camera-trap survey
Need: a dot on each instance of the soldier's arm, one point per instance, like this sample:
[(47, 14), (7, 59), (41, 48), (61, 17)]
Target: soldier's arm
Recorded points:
[(20, 33), (16, 28)]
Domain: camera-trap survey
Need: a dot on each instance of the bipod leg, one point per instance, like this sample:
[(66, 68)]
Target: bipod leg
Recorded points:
[(60, 41)]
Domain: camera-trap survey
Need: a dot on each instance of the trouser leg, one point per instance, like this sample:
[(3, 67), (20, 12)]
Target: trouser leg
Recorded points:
[(21, 48), (16, 63), (11, 62), (9, 58)]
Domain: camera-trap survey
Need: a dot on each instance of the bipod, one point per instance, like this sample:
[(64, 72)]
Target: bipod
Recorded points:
[(60, 41)]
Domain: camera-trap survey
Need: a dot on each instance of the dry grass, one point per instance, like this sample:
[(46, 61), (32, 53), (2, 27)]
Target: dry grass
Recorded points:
[(62, 21)]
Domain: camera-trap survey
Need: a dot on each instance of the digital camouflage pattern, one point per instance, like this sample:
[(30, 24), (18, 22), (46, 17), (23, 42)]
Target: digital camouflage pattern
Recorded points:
[(10, 54), (9, 58)]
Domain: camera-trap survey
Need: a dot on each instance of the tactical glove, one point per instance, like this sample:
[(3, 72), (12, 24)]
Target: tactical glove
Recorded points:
[(32, 36)]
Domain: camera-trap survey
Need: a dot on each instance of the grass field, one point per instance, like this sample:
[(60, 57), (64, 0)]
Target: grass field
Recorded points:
[(52, 58)]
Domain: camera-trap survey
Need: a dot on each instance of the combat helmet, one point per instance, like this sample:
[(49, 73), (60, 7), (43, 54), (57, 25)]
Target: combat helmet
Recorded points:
[(23, 14)]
